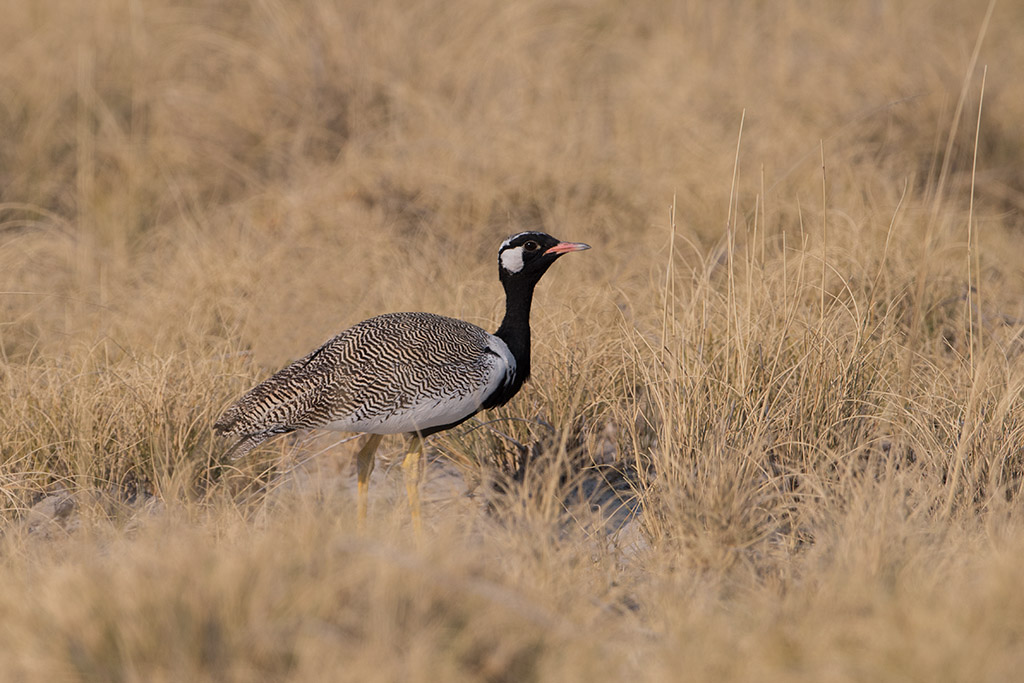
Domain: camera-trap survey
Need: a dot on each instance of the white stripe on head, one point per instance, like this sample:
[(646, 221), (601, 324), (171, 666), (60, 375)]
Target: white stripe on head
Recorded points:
[(510, 238), (512, 259)]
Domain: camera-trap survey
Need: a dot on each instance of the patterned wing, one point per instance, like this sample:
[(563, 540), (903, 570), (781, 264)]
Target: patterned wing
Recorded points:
[(393, 373)]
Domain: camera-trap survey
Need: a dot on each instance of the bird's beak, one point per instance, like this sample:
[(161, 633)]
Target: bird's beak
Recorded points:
[(566, 247)]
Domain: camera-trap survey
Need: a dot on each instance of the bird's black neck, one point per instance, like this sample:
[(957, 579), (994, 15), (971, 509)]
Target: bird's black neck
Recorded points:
[(515, 329)]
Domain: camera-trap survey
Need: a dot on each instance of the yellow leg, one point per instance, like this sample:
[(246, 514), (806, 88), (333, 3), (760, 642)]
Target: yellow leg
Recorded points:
[(364, 467), (412, 467)]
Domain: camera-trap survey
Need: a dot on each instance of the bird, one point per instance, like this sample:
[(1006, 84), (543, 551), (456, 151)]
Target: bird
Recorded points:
[(414, 373)]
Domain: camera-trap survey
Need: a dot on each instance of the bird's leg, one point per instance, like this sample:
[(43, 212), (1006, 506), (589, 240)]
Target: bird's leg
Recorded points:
[(364, 467), (412, 467)]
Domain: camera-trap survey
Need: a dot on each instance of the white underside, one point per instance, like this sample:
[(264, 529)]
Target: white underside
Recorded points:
[(437, 411)]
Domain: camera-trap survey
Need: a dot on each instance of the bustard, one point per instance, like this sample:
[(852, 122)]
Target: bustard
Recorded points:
[(403, 372)]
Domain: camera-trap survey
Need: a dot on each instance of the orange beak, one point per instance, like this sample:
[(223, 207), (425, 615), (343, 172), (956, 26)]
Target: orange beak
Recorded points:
[(566, 247)]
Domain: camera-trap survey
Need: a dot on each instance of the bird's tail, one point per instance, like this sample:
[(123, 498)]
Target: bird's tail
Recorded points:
[(240, 448), (245, 443)]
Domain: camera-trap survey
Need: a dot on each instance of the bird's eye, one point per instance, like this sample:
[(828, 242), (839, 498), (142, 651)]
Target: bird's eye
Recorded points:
[(531, 246)]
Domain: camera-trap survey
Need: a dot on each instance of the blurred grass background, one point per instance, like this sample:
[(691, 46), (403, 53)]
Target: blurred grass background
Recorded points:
[(796, 340)]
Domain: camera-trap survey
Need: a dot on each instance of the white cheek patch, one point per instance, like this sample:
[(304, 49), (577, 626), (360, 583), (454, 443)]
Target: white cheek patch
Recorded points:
[(512, 259)]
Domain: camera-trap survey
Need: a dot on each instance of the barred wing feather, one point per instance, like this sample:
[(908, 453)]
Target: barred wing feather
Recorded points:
[(399, 372)]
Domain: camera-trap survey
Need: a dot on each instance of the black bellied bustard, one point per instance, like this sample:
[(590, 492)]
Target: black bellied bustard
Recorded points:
[(418, 373)]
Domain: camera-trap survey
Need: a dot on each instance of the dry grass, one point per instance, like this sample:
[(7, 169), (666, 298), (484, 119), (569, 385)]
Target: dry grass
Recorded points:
[(796, 344)]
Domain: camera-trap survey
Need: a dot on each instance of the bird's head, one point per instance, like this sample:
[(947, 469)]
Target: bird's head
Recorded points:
[(525, 256)]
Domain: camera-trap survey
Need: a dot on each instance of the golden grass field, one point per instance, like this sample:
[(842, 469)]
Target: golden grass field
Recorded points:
[(795, 349)]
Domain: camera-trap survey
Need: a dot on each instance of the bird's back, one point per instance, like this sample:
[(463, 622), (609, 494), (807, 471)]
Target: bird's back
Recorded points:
[(398, 372)]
